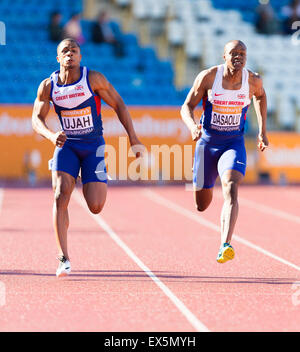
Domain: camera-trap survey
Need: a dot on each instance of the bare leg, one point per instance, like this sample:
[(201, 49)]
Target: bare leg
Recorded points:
[(231, 179), (95, 195), (203, 198), (63, 185)]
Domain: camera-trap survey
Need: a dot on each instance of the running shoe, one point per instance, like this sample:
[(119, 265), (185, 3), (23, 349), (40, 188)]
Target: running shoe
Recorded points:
[(64, 267), (226, 253)]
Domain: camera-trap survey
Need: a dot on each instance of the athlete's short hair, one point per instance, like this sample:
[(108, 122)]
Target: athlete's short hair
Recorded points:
[(71, 40), (238, 42)]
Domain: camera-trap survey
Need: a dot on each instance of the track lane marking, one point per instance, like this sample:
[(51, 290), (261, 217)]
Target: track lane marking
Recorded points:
[(270, 211), (189, 214), (257, 206), (265, 209), (192, 319)]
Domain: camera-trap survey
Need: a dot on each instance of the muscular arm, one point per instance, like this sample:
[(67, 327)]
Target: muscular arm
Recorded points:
[(107, 92), (198, 91), (260, 106), (40, 111)]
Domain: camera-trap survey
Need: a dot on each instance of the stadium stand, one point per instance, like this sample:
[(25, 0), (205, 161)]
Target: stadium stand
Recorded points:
[(195, 30), (201, 27), (30, 56)]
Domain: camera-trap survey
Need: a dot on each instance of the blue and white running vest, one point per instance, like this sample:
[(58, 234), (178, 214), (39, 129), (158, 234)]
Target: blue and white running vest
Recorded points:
[(78, 108), (224, 110)]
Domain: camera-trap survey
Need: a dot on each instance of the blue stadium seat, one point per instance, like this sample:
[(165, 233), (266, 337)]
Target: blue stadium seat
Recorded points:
[(139, 76), (247, 8)]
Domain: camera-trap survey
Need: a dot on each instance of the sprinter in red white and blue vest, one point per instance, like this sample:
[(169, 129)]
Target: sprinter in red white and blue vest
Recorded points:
[(226, 92), (76, 94)]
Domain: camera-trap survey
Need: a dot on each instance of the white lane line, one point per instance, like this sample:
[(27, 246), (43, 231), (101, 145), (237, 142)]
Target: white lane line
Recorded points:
[(193, 216), (265, 209), (192, 319), (269, 210)]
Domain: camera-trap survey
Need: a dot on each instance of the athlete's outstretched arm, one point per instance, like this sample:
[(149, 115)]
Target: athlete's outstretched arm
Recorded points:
[(40, 111), (197, 92), (101, 86), (260, 106)]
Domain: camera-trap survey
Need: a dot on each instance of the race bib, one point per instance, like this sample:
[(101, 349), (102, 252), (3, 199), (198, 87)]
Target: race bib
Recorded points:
[(226, 118), (77, 121)]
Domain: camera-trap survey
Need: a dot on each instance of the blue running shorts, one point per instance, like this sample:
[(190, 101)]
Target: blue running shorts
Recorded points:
[(85, 155), (214, 157)]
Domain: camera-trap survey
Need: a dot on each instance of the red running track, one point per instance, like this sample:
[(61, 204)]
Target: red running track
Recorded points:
[(147, 263)]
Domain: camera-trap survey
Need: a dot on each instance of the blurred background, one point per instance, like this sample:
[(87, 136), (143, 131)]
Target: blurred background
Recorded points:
[(151, 51)]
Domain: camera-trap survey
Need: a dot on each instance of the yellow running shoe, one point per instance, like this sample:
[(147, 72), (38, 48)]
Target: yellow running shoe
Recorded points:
[(226, 253)]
